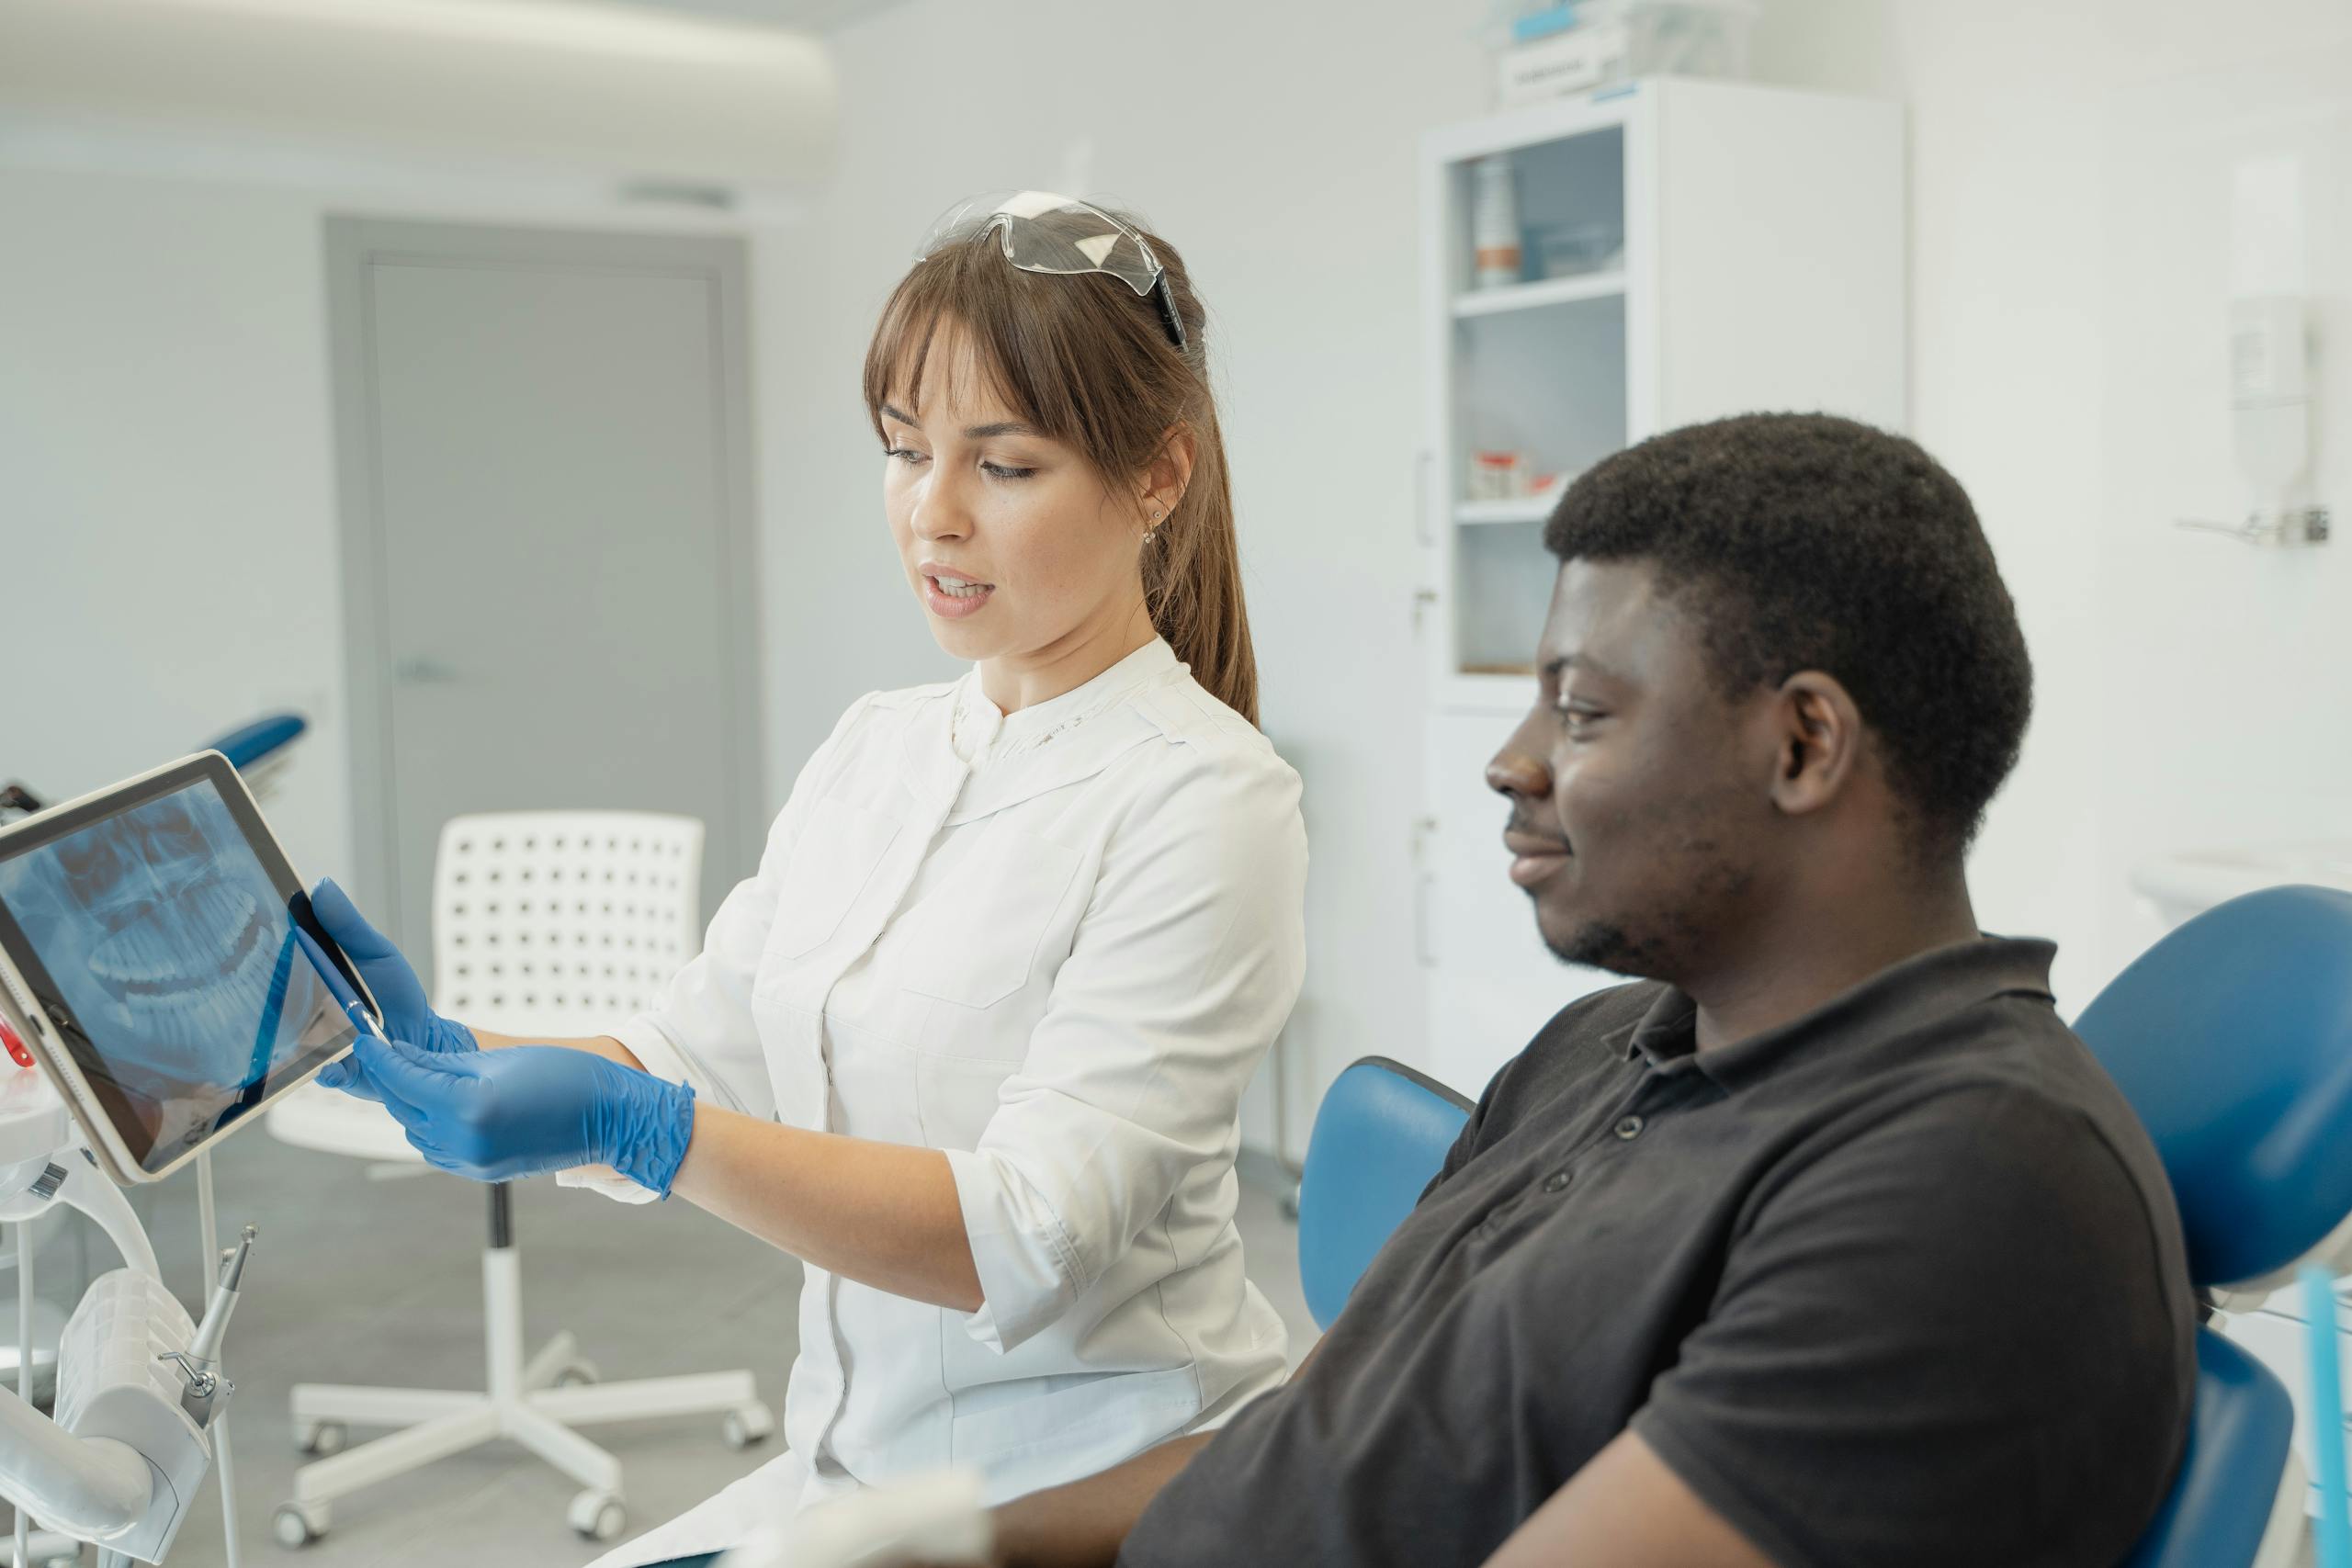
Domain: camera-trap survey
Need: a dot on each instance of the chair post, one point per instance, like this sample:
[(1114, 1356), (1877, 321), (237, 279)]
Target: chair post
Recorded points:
[(502, 1281)]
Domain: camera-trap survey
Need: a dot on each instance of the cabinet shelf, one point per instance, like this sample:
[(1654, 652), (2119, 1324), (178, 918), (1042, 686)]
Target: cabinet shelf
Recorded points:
[(1536, 296), (1763, 267), (1518, 509)]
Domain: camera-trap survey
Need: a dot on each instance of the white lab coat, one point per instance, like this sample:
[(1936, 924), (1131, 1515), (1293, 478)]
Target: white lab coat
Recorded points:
[(1056, 947)]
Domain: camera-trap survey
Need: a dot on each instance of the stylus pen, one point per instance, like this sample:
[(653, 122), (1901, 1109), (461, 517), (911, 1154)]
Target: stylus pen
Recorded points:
[(354, 1010), (362, 1019)]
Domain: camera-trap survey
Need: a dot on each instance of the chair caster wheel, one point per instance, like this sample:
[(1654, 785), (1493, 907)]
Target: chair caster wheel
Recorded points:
[(296, 1526), (598, 1515), (747, 1424), (321, 1439), (577, 1374)]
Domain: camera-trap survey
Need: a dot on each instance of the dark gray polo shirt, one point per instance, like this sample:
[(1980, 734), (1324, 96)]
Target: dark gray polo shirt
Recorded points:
[(1900, 1282)]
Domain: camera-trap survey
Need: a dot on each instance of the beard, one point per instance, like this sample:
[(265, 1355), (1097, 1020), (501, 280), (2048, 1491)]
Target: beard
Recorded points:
[(1605, 944), (1666, 938)]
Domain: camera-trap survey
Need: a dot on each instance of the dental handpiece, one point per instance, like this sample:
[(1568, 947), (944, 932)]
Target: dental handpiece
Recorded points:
[(206, 1347)]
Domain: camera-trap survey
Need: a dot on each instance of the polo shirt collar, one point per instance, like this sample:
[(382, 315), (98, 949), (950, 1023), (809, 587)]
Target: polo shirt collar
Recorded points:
[(1924, 986)]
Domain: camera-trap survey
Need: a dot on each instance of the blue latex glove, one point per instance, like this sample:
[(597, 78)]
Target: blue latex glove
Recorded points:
[(495, 1115), (398, 992)]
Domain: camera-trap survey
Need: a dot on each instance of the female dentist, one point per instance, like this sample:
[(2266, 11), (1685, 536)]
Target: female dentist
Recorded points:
[(972, 1043)]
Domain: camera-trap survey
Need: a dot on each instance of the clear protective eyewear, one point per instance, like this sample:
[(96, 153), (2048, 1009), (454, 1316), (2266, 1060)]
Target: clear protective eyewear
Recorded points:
[(1040, 231)]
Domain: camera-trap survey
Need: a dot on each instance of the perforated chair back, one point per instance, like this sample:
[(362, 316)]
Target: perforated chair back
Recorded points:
[(1380, 1134), (2233, 1039), (562, 923)]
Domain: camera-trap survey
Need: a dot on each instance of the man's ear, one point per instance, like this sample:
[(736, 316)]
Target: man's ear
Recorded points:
[(1818, 741)]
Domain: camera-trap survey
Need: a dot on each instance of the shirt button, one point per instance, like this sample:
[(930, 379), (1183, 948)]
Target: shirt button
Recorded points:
[(1554, 1181), (1630, 1126)]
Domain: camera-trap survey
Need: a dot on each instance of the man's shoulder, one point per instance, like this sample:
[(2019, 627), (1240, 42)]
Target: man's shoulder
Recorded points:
[(2043, 1163), (2022, 1089)]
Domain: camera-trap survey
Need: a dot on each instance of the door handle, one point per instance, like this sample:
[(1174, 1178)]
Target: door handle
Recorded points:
[(1424, 463), (1424, 885), (417, 670)]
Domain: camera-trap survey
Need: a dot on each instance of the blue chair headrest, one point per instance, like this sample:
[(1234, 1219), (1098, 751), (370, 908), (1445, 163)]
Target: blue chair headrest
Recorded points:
[(2233, 1039), (251, 743)]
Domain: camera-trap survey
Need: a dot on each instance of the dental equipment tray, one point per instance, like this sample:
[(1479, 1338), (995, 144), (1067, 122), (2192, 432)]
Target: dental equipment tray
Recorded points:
[(149, 957)]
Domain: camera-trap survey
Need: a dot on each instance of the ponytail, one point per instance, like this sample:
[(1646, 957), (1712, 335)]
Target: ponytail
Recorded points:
[(1192, 581)]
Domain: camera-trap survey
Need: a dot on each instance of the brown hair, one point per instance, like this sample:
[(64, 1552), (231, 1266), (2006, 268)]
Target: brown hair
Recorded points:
[(1088, 361)]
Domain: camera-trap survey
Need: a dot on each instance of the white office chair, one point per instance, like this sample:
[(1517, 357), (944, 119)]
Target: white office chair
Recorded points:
[(549, 923)]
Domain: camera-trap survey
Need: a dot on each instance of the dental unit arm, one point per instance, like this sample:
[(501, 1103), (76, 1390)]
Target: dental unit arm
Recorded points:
[(139, 1384)]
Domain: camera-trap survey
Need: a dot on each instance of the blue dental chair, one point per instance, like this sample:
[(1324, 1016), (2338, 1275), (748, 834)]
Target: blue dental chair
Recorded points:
[(2233, 1039), (261, 751), (1381, 1133)]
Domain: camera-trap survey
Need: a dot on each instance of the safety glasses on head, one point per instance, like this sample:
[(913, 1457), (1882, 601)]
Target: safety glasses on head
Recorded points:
[(1040, 231)]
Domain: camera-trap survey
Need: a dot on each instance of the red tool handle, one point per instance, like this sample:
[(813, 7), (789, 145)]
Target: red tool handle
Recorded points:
[(23, 1057)]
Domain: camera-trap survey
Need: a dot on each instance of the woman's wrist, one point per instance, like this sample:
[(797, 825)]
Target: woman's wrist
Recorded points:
[(604, 1045), (643, 1125)]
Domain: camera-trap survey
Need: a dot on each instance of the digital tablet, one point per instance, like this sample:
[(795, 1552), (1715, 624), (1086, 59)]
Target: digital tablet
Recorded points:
[(149, 950)]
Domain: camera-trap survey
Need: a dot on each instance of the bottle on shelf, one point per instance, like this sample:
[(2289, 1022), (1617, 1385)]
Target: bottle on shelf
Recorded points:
[(1494, 224)]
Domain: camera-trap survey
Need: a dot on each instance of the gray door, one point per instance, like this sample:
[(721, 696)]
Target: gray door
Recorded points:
[(545, 494)]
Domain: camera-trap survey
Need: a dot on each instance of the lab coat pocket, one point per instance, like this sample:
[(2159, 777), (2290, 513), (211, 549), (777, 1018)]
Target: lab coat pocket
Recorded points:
[(1043, 1439), (839, 847), (976, 938)]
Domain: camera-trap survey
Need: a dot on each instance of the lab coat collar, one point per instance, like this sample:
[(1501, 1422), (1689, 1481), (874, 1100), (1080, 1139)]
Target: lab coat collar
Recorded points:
[(1055, 743)]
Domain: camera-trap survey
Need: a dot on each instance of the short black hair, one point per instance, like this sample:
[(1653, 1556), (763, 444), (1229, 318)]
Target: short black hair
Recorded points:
[(1809, 542)]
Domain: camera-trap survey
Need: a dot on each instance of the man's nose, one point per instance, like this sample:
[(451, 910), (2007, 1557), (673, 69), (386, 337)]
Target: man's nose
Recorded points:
[(1516, 771)]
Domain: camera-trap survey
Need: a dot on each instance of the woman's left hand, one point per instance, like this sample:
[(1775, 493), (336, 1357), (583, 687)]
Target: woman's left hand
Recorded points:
[(497, 1115)]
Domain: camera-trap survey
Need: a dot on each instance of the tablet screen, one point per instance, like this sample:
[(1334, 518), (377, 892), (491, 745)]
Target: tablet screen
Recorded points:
[(162, 952)]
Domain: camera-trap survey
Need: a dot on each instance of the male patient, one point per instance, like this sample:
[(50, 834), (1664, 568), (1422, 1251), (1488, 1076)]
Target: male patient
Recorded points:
[(1825, 1243)]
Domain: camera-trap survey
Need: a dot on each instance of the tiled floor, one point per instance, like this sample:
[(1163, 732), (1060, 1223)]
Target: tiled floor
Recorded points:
[(355, 1280)]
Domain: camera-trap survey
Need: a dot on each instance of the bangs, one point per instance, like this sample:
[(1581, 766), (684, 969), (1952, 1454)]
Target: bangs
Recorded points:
[(1016, 338), (901, 356)]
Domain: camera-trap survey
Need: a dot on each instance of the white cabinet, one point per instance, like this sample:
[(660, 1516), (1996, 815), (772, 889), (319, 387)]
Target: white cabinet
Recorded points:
[(1692, 249)]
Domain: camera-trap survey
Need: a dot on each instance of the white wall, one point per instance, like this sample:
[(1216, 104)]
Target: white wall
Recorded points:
[(167, 542), (2226, 680), (2069, 222), (166, 526)]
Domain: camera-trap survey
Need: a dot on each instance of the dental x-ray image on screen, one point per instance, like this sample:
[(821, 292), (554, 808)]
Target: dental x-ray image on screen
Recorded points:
[(161, 932)]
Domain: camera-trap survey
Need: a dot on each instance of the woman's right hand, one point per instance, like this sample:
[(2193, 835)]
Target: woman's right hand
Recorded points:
[(400, 995)]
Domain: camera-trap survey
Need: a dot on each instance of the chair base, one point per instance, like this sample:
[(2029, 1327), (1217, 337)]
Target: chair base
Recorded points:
[(526, 1403)]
